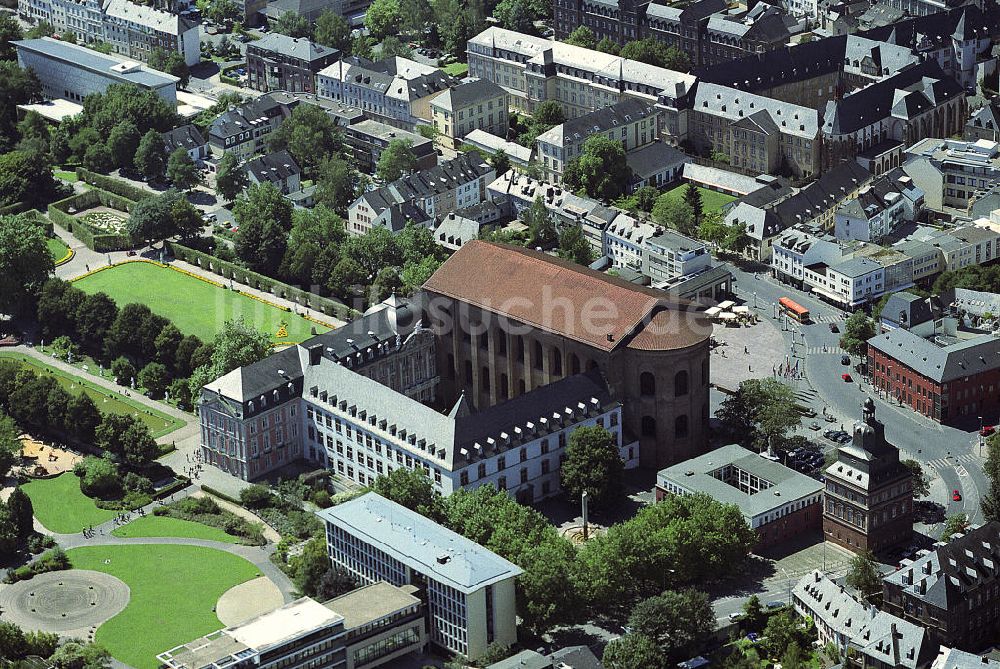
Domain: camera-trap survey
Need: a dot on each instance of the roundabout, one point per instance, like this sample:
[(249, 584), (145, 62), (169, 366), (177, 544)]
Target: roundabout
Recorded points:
[(64, 600)]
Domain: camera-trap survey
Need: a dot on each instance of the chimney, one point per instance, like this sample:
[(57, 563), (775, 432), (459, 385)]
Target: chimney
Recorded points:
[(315, 354), (895, 645)]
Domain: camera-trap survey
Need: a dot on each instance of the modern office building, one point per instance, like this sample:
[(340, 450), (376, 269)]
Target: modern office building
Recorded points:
[(467, 590), (278, 62), (366, 628), (299, 635), (868, 502), (777, 502), (471, 105), (668, 255), (510, 320), (951, 172), (72, 72), (952, 590)]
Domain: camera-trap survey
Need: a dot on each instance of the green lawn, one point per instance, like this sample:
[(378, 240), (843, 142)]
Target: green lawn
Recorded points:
[(61, 507), (456, 69), (107, 402), (163, 526), (57, 248), (173, 592), (193, 305), (710, 199), (66, 175)]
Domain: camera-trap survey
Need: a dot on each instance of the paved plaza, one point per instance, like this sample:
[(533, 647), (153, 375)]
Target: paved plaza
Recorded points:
[(248, 600), (746, 352), (64, 601)]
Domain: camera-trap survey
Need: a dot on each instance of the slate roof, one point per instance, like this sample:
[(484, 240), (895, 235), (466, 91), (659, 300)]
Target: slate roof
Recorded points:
[(695, 475), (151, 17), (274, 168), (294, 47), (396, 77), (467, 93), (579, 128), (241, 118), (759, 72), (939, 363), (694, 11), (418, 542), (825, 193), (734, 104), (950, 573), (185, 137), (922, 32), (519, 283), (917, 309), (654, 158), (893, 96)]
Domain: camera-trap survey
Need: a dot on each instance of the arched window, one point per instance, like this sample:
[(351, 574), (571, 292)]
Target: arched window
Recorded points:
[(520, 386), (520, 348), (648, 426), (556, 361), (468, 372), (503, 390), (681, 383), (485, 380), (681, 427), (647, 384), (591, 365), (574, 363), (538, 355), (451, 366)]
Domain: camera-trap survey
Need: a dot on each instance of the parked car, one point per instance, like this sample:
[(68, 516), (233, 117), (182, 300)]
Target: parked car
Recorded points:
[(815, 427), (735, 617), (845, 359), (846, 377), (956, 496), (774, 605)]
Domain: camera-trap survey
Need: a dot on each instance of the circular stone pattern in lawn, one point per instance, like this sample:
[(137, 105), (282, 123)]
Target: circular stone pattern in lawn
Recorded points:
[(64, 600)]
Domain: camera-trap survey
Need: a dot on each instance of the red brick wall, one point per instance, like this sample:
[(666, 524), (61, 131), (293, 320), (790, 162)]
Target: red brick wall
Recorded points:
[(806, 519)]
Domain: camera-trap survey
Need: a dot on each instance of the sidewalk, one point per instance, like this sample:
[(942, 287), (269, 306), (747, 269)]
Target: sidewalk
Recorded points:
[(269, 533)]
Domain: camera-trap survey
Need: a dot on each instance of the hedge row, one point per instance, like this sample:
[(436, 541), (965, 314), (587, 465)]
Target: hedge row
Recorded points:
[(13, 208), (112, 185), (39, 219), (101, 242), (250, 278)]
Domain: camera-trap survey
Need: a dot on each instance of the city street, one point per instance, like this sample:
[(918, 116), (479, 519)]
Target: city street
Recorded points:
[(950, 455)]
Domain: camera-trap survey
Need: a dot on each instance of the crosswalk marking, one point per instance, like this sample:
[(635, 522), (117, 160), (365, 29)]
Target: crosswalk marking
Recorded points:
[(814, 350), (954, 461)]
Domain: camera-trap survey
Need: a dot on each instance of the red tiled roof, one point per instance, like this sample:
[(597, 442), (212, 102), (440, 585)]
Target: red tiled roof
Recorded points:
[(562, 297)]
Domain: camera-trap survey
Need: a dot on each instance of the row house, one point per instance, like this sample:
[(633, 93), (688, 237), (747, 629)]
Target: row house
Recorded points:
[(278, 62)]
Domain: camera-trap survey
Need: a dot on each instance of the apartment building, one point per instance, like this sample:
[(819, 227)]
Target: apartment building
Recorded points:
[(951, 172), (132, 30), (632, 122), (467, 590), (625, 240), (533, 70), (777, 502), (189, 138), (865, 637), (471, 105), (732, 35), (879, 208), (278, 169), (245, 129), (952, 590), (454, 184), (868, 502), (72, 72), (278, 62), (962, 246), (367, 140), (396, 90)]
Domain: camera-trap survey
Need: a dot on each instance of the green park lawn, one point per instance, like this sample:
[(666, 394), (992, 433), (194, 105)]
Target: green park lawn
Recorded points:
[(61, 507), (66, 175), (163, 526), (194, 306), (57, 248), (107, 401), (456, 69), (710, 199), (173, 591)]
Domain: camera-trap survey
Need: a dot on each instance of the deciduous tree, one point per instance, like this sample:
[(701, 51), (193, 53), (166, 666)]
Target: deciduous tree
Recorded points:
[(593, 465), (857, 331), (396, 160), (181, 170), (25, 264), (632, 651), (231, 178), (150, 156), (679, 623)]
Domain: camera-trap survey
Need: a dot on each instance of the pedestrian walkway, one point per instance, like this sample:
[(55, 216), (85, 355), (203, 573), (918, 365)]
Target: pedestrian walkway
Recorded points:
[(820, 350), (269, 532), (953, 461)]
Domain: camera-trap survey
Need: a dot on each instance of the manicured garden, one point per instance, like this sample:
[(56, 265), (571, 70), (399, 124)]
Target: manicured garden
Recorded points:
[(163, 526), (710, 200), (174, 590), (107, 402), (61, 507), (456, 69), (57, 249), (105, 220), (195, 306)]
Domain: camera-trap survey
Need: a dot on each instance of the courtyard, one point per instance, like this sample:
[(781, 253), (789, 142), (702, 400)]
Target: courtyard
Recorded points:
[(710, 200), (195, 306)]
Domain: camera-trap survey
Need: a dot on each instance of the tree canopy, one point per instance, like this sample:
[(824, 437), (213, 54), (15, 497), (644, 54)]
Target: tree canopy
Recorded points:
[(760, 410), (655, 52), (310, 135), (25, 263), (593, 465), (601, 170), (857, 331)]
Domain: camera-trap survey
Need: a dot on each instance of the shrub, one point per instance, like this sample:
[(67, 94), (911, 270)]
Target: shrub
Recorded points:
[(256, 496), (161, 511), (98, 477), (199, 505), (322, 499), (52, 560), (137, 483)]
